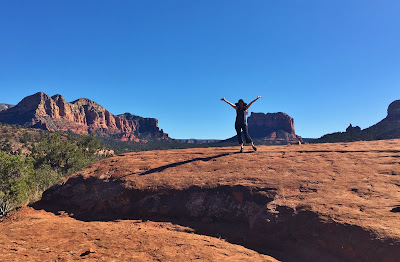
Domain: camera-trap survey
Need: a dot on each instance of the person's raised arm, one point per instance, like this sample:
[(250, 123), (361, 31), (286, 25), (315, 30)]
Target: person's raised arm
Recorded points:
[(258, 97), (229, 103)]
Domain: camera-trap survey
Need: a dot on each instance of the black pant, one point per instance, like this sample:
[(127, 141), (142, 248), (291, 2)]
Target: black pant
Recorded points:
[(239, 127)]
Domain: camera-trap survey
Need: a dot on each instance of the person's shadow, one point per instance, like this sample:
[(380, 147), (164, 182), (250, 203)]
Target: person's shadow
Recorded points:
[(162, 168)]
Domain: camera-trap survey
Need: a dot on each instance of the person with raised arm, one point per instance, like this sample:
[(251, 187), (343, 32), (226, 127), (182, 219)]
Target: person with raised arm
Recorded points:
[(241, 124)]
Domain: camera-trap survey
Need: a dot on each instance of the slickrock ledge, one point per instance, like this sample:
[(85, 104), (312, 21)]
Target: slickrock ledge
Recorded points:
[(37, 235), (317, 202)]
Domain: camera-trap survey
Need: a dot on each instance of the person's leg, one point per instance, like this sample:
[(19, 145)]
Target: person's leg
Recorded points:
[(246, 134), (248, 138), (254, 147), (239, 136)]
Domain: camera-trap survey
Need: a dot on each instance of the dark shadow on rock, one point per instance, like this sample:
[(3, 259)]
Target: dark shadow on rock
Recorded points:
[(395, 209), (348, 151), (238, 214), (162, 168)]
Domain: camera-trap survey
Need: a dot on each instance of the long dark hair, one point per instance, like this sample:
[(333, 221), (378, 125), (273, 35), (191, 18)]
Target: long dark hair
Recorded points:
[(244, 105), (241, 100)]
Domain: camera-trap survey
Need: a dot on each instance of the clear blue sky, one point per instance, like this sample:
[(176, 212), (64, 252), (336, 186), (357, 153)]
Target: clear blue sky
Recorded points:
[(325, 63)]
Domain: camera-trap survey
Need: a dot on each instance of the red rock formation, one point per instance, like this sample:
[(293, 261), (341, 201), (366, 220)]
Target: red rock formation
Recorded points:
[(387, 128), (273, 127), (394, 111), (81, 116), (310, 204), (352, 128)]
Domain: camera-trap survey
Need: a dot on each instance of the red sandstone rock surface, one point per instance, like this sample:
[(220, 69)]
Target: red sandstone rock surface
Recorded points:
[(273, 127), (36, 235), (314, 202), (81, 117)]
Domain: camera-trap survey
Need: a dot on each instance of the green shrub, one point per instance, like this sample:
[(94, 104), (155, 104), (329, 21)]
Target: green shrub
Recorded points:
[(61, 155), (44, 177), (25, 138), (4, 207), (16, 177), (24, 178)]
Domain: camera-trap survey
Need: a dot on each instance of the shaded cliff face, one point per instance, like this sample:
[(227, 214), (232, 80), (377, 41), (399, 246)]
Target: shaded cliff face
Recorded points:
[(387, 128), (81, 116), (145, 125), (277, 127), (394, 111)]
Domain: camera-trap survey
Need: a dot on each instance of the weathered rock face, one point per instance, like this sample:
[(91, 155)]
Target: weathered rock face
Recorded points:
[(146, 125), (81, 116), (277, 127)]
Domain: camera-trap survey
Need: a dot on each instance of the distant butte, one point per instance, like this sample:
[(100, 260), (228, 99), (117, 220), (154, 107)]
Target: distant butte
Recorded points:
[(387, 128), (81, 116), (271, 128)]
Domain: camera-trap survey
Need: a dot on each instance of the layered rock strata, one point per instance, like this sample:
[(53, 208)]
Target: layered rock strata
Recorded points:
[(81, 116), (272, 127)]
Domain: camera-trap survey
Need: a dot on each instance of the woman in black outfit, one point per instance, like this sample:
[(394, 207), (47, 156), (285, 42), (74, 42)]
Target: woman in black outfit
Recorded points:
[(240, 124)]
